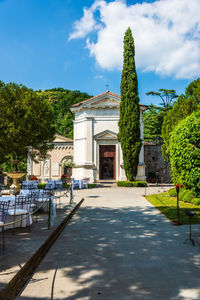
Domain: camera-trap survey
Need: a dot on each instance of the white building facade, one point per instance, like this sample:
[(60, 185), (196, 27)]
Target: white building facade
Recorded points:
[(97, 152)]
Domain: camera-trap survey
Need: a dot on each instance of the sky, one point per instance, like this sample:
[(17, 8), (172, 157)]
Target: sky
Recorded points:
[(78, 44)]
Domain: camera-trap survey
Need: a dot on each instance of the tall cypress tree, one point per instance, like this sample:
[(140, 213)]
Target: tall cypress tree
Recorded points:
[(129, 120)]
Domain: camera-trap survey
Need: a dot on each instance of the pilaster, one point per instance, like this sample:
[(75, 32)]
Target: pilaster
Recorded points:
[(89, 141)]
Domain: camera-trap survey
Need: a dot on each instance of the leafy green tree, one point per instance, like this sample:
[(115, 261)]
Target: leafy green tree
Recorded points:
[(153, 119), (185, 152), (183, 107), (26, 120), (60, 101), (129, 120), (167, 96)]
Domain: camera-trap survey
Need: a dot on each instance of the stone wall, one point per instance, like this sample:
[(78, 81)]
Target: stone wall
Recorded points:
[(155, 163)]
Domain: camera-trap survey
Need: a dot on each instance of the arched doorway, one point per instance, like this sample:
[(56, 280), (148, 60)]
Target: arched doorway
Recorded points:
[(67, 165)]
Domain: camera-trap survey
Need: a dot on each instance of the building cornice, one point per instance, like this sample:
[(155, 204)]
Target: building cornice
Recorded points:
[(87, 104)]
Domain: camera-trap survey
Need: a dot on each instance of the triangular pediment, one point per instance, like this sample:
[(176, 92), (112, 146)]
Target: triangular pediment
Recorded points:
[(106, 135), (61, 138), (107, 102)]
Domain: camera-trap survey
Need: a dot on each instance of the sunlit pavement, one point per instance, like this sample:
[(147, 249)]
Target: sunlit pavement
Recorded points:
[(119, 246)]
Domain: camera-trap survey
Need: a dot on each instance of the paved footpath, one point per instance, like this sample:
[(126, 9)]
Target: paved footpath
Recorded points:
[(118, 247)]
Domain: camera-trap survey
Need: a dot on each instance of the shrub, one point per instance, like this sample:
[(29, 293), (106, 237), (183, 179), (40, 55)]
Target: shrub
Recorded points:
[(182, 193), (65, 186), (139, 183), (185, 152), (132, 183), (189, 195), (91, 185), (196, 201), (124, 183), (172, 192), (41, 186)]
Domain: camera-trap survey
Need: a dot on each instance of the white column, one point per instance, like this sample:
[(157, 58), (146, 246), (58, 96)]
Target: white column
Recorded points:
[(89, 155)]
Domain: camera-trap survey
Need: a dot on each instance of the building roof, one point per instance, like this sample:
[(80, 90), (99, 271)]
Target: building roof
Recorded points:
[(106, 93), (61, 138)]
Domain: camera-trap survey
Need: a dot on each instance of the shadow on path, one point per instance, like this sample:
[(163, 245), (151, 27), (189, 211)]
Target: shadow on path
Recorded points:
[(125, 253)]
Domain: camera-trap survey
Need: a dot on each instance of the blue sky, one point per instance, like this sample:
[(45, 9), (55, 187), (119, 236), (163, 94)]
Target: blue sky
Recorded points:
[(55, 43)]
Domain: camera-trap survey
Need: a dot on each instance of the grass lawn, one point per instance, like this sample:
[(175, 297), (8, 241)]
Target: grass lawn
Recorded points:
[(168, 206)]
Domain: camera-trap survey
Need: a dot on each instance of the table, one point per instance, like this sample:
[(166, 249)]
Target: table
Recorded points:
[(53, 184), (25, 222), (40, 199), (32, 184), (80, 183)]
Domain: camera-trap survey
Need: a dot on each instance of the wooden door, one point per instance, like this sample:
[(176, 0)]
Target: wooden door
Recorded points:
[(107, 162)]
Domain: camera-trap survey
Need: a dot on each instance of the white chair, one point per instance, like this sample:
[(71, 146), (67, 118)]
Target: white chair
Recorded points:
[(49, 186), (75, 183), (43, 200), (4, 206), (85, 183), (21, 208)]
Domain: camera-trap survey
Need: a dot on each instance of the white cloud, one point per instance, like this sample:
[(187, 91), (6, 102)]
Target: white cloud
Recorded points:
[(84, 26), (166, 34)]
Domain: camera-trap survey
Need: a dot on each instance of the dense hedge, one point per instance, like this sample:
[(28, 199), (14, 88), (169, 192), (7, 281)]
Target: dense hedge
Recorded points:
[(189, 195), (185, 196), (132, 183), (184, 106), (91, 185), (172, 192), (182, 193), (196, 201), (185, 153)]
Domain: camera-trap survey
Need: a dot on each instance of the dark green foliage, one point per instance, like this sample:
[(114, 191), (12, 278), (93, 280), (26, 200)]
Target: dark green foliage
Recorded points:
[(139, 183), (185, 153), (26, 119), (183, 107), (153, 119), (132, 183), (60, 101), (125, 183), (172, 192), (182, 193), (91, 185), (189, 195), (41, 186), (65, 186), (7, 166), (196, 201), (129, 120)]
